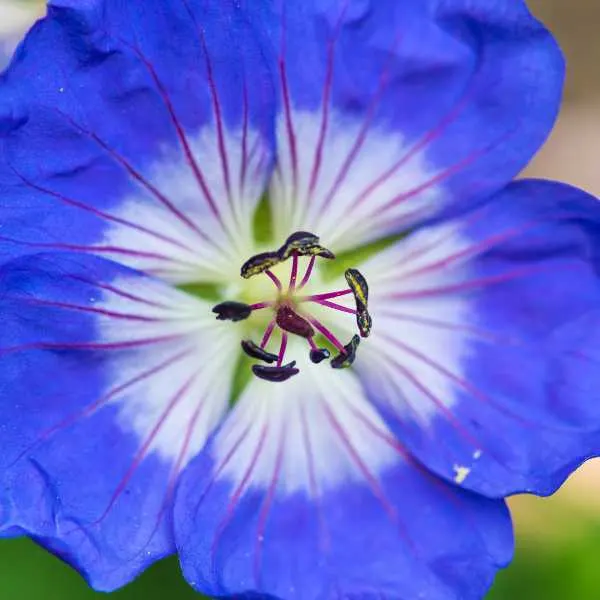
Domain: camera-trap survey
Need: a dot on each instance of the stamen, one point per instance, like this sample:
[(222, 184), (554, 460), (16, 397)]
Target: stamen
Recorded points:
[(326, 333), (274, 279), (276, 374), (358, 285), (360, 289), (268, 333), (308, 272), (282, 348), (335, 306), (260, 305), (254, 351), (364, 322), (345, 359), (298, 240), (291, 321), (232, 311), (294, 272), (319, 355), (305, 244), (301, 243), (259, 263), (326, 296)]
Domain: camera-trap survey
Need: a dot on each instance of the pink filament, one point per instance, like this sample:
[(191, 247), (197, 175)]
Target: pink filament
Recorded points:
[(335, 306), (267, 334), (328, 334), (308, 272), (260, 305), (274, 279), (326, 296), (282, 348), (294, 273)]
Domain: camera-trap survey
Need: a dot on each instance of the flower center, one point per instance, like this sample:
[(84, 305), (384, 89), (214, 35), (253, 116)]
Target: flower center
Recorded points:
[(291, 309)]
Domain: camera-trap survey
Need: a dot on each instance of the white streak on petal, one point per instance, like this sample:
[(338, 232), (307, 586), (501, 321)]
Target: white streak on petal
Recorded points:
[(391, 361), (336, 217), (229, 243), (197, 350), (274, 408)]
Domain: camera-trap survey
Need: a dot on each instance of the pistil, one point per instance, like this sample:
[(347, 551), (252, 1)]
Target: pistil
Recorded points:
[(289, 320)]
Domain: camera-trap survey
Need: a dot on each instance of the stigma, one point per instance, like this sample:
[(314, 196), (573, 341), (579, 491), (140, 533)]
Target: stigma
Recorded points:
[(291, 310)]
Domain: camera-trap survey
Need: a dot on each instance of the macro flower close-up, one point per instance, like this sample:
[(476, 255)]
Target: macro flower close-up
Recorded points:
[(273, 301)]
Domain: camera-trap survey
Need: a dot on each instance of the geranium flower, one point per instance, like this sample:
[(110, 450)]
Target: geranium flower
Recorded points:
[(269, 299)]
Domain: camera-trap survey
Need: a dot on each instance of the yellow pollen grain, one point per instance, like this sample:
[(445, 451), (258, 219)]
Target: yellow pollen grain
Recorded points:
[(356, 287), (461, 473)]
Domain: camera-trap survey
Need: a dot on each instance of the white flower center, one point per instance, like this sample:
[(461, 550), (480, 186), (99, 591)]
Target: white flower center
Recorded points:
[(289, 305)]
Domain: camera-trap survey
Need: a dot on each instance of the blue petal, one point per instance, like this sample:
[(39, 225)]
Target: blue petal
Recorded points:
[(107, 394), (304, 494), (482, 354), (468, 89), (103, 97)]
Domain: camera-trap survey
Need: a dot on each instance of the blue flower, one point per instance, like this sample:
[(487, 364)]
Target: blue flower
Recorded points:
[(154, 150)]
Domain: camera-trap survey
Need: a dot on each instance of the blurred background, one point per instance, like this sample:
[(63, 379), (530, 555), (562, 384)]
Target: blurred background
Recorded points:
[(558, 538)]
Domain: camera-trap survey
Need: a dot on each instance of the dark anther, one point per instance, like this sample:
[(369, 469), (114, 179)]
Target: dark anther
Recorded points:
[(319, 355), (364, 322), (303, 243), (232, 311), (360, 289), (259, 263), (291, 321), (255, 351), (301, 238), (344, 359), (276, 374)]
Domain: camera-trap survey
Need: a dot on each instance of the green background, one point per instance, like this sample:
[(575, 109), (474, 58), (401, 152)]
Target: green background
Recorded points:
[(564, 567)]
